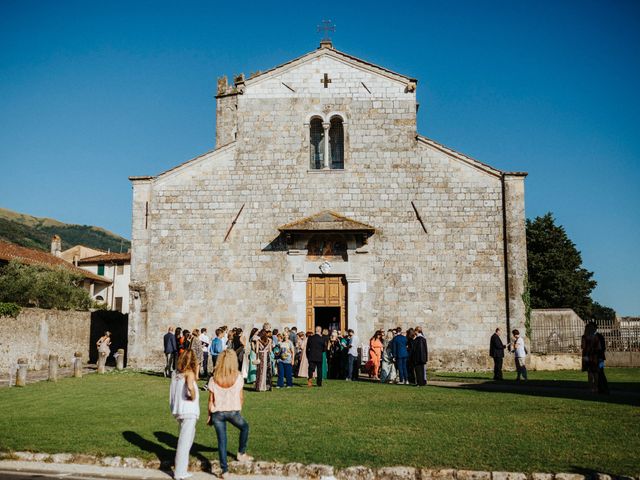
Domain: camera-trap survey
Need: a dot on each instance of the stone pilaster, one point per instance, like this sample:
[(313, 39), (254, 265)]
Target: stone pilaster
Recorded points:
[(516, 245), (140, 240)]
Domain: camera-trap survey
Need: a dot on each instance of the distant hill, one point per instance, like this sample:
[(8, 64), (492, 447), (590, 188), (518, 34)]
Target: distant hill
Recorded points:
[(35, 232)]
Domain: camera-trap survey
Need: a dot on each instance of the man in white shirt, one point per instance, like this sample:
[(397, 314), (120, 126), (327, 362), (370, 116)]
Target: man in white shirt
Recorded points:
[(205, 340), (520, 353), (352, 362)]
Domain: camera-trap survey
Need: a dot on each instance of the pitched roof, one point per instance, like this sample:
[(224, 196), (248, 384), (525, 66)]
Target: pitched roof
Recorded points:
[(107, 258), (466, 159), (327, 221), (216, 150), (337, 54), (11, 251)]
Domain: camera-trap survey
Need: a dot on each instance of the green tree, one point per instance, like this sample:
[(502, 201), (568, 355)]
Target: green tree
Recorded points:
[(43, 287), (600, 312), (557, 278)]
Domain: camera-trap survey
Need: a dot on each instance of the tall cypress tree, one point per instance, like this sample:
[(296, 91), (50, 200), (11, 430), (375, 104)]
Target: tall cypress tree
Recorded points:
[(557, 278)]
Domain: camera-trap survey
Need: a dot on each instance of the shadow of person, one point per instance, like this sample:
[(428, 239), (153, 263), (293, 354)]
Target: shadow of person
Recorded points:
[(152, 373), (197, 449), (621, 394), (165, 455)]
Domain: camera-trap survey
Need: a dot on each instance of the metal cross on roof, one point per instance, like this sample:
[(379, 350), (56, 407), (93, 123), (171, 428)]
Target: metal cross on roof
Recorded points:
[(326, 27)]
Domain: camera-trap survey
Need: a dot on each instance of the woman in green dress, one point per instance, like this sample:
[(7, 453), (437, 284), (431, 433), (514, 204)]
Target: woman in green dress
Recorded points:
[(325, 339), (251, 373)]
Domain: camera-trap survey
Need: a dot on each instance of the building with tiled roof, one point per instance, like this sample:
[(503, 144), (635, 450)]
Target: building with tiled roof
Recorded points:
[(117, 268), (11, 251), (78, 252)]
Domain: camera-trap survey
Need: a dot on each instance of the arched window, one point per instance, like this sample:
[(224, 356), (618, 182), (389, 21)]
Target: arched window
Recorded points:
[(336, 143), (316, 154)]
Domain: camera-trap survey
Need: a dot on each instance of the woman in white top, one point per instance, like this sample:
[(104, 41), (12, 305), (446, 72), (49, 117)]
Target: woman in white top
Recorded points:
[(185, 407), (225, 402)]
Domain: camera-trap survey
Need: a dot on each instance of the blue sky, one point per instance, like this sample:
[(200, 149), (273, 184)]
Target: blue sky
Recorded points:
[(93, 92)]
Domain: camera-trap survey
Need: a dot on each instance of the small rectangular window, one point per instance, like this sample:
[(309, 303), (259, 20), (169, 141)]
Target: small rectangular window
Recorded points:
[(119, 304), (120, 269), (101, 269)]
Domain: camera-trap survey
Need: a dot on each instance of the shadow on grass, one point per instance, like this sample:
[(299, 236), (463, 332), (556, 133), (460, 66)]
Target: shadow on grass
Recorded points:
[(152, 373), (165, 456), (165, 450), (631, 387), (591, 474), (197, 449), (622, 393)]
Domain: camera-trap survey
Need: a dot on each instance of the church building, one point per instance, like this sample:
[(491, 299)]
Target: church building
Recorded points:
[(322, 205)]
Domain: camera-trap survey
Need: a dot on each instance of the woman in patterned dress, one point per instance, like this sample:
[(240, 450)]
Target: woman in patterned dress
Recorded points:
[(196, 346), (264, 372)]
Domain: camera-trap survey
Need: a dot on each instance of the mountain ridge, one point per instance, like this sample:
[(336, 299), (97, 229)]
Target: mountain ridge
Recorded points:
[(36, 232)]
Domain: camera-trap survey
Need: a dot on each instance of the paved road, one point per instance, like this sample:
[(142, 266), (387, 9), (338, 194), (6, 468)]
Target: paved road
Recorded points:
[(5, 475), (20, 470)]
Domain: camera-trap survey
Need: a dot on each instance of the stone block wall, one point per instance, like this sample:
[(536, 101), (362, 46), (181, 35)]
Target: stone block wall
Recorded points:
[(450, 280), (36, 333)]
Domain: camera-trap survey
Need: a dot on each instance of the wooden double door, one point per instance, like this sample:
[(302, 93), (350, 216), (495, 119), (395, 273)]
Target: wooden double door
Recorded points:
[(327, 302)]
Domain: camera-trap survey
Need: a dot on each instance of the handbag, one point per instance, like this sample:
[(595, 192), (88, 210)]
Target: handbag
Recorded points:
[(368, 367)]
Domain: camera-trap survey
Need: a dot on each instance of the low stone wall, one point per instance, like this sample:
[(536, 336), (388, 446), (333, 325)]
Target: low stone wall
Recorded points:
[(465, 362), (623, 359), (559, 361), (19, 462), (36, 333)]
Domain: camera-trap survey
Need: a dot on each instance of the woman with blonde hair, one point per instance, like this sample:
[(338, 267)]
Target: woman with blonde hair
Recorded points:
[(185, 407), (225, 402)]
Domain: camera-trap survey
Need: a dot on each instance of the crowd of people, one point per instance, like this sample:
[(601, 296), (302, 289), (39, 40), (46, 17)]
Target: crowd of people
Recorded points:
[(397, 356)]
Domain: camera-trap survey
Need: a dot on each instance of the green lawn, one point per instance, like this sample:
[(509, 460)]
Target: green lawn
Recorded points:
[(342, 424)]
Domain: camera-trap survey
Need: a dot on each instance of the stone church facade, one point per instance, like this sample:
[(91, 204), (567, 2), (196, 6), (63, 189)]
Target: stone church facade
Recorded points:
[(322, 205)]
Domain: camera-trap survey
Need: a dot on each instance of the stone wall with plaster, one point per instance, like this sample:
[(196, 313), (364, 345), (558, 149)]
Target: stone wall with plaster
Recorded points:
[(36, 333)]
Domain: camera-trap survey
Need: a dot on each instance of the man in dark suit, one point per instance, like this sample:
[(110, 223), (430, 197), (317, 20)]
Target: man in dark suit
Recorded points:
[(170, 351), (496, 351), (315, 347), (419, 356)]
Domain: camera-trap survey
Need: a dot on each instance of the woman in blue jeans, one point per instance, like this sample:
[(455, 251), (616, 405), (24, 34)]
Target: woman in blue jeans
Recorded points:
[(225, 402), (285, 361)]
